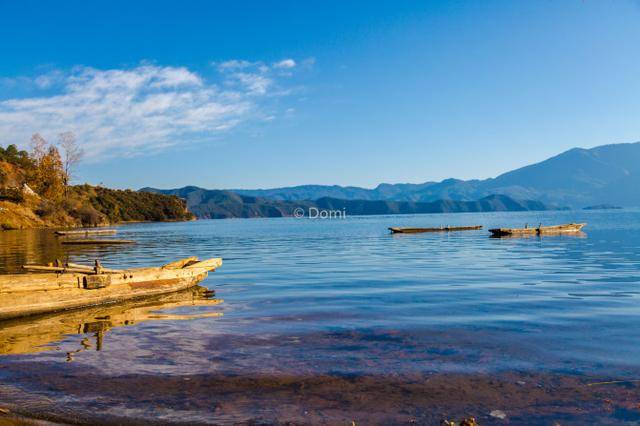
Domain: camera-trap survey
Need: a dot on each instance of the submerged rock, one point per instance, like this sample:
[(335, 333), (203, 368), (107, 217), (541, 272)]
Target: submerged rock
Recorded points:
[(471, 421), (498, 414)]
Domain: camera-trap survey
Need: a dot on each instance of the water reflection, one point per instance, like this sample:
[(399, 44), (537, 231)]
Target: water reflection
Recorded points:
[(580, 234), (28, 246), (41, 246), (37, 334)]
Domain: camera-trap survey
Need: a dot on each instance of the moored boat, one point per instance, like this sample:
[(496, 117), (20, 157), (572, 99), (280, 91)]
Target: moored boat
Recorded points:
[(568, 228), (77, 232), (70, 286), (396, 230)]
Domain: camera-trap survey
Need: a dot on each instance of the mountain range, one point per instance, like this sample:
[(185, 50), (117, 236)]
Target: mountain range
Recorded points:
[(219, 204), (577, 178)]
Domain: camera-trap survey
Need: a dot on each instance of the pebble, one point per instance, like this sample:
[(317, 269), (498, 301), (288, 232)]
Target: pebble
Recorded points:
[(498, 414)]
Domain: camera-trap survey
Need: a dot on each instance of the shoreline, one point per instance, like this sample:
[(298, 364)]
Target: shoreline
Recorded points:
[(197, 219), (512, 397), (15, 419), (106, 225)]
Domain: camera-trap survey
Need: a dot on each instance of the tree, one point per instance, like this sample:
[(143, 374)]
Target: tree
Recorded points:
[(47, 176), (51, 175), (72, 155), (12, 155), (38, 147), (11, 152)]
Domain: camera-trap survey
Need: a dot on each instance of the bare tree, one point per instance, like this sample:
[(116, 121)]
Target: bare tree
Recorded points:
[(38, 146), (72, 154)]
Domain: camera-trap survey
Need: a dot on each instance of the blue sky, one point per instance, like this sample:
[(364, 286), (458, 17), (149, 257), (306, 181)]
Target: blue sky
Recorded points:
[(263, 94)]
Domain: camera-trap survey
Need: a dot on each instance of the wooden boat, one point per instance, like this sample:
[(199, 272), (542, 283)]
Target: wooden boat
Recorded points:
[(569, 228), (41, 332), (441, 229), (70, 286), (76, 241), (87, 232)]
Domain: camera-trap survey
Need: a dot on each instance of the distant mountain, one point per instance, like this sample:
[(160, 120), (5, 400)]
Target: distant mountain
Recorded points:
[(492, 203), (217, 204), (608, 174), (602, 207), (383, 191)]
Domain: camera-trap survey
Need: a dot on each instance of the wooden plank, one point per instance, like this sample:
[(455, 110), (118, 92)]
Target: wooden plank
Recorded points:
[(178, 264), (78, 266), (63, 269), (92, 268), (209, 264), (55, 269)]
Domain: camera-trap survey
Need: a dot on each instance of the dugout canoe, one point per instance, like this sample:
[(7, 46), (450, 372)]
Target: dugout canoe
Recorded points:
[(52, 288), (87, 232), (568, 228), (395, 230)]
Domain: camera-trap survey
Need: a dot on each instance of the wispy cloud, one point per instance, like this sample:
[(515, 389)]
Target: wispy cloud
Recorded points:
[(141, 109), (235, 64), (285, 63)]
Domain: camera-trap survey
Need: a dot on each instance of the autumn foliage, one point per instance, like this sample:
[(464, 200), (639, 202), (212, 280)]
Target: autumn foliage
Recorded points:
[(55, 201)]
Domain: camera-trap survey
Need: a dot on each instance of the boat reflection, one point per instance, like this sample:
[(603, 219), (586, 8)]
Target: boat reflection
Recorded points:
[(579, 234), (37, 334)]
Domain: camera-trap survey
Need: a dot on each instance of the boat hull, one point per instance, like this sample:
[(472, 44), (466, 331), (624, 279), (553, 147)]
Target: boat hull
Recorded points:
[(86, 232), (395, 230), (570, 228), (32, 294)]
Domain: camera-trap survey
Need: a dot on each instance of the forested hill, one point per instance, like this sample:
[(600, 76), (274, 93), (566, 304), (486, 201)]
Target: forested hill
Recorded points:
[(34, 192), (216, 204)]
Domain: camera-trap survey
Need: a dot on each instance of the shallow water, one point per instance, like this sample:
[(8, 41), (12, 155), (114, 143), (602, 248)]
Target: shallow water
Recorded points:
[(345, 300)]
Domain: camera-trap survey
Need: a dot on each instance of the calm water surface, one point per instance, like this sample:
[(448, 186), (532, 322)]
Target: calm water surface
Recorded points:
[(336, 298)]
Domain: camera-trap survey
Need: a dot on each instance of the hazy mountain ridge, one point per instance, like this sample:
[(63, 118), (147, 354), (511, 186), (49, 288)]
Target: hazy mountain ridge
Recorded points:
[(577, 177), (220, 204), (491, 203)]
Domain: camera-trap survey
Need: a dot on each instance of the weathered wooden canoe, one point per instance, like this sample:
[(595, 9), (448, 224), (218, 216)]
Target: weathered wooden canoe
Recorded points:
[(38, 333), (569, 228), (89, 241), (441, 229), (87, 232), (71, 286)]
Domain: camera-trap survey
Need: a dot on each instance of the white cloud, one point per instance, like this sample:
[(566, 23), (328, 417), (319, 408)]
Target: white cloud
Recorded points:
[(235, 64), (141, 109), (285, 63), (45, 81), (254, 83)]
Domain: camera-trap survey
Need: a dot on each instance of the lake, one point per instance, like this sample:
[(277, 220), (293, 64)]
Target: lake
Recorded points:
[(336, 320)]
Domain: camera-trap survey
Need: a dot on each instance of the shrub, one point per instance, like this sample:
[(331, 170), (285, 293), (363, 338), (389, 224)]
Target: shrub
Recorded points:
[(11, 194), (88, 216)]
